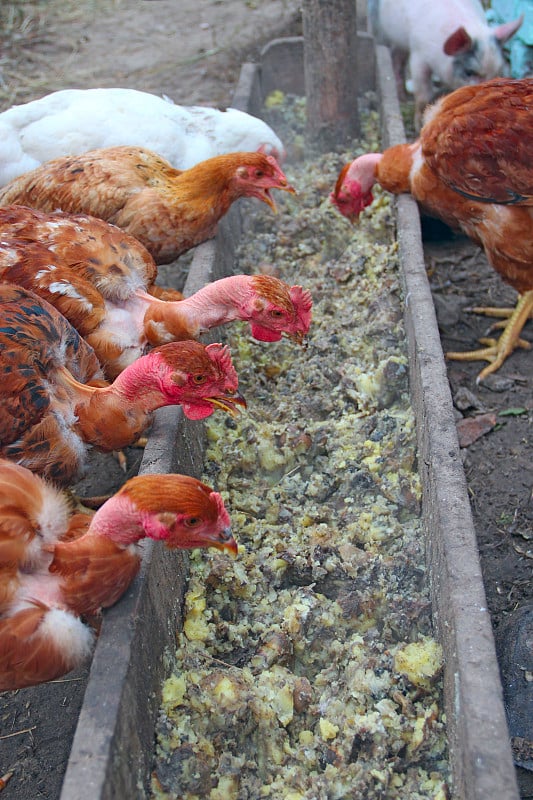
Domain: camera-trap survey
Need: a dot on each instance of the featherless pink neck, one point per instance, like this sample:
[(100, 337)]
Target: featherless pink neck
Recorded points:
[(143, 382), (215, 304), (364, 169), (119, 520), (218, 302)]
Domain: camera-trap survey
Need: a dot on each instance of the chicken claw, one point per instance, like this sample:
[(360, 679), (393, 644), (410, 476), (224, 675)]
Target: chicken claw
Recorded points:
[(497, 351)]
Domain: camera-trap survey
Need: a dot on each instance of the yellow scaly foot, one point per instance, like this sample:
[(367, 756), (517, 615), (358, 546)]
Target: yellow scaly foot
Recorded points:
[(498, 350)]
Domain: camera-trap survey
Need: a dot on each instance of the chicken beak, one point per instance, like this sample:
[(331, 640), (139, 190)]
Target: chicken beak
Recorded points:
[(282, 186), (226, 542), (299, 337), (286, 187), (228, 403), (266, 198)]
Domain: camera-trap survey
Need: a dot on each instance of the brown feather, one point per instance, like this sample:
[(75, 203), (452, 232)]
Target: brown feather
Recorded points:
[(474, 171), (104, 255), (480, 142), (52, 406), (472, 167), (273, 290), (28, 657), (95, 572), (86, 563)]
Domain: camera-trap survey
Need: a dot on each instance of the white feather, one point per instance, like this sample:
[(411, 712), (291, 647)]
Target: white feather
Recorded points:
[(52, 520), (72, 121), (68, 633)]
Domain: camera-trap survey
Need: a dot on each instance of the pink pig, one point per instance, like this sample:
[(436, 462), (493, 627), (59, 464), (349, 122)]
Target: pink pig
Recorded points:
[(449, 40)]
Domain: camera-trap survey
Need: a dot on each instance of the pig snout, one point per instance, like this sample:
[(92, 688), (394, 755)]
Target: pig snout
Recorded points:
[(477, 59)]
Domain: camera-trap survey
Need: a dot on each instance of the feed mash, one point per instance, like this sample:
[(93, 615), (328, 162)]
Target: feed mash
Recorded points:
[(306, 668)]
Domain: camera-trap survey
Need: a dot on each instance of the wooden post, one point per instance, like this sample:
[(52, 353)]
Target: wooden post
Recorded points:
[(330, 59)]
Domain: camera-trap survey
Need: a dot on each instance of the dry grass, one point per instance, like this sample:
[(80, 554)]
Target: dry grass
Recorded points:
[(28, 30), (20, 17)]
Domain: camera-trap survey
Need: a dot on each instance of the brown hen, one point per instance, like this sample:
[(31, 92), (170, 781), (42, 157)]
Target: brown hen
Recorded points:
[(54, 403), (166, 209), (107, 301), (471, 167), (56, 566)]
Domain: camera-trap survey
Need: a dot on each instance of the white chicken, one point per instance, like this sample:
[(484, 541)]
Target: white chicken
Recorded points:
[(72, 121)]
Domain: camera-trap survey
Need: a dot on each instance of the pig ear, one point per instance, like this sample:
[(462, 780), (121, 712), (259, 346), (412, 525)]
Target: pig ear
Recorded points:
[(457, 42), (508, 29)]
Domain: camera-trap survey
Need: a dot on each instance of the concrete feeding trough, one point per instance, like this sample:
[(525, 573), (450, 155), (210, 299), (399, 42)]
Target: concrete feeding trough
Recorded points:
[(113, 745)]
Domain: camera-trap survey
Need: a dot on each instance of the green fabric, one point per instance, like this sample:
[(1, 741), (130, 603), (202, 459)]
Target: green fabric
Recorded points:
[(519, 48)]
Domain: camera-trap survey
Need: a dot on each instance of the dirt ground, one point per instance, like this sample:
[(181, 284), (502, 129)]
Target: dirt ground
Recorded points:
[(192, 50), (498, 464)]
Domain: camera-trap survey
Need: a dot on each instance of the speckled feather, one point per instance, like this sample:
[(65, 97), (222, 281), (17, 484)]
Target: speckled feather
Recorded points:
[(111, 259), (35, 342), (102, 288), (35, 267)]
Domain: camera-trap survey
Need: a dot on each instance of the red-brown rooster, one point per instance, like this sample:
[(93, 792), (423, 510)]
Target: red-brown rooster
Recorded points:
[(54, 403), (166, 209), (107, 302), (472, 167), (56, 566)]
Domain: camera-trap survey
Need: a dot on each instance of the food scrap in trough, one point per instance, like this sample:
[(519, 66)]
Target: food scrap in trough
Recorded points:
[(307, 668)]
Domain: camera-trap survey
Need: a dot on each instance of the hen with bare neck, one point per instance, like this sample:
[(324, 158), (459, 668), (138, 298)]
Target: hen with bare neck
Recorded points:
[(471, 167), (56, 566), (86, 269), (55, 403)]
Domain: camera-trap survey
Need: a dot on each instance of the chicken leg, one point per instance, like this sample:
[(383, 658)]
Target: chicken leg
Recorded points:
[(498, 350)]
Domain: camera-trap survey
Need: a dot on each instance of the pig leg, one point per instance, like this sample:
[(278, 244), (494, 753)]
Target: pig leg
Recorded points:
[(399, 62), (422, 86)]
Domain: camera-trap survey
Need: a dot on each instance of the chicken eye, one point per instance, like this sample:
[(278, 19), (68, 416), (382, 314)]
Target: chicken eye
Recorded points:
[(192, 522), (276, 313), (199, 379), (259, 173)]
